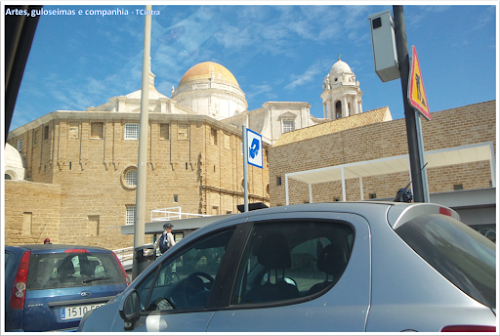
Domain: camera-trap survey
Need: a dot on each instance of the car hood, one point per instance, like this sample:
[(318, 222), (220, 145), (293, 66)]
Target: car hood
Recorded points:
[(103, 318)]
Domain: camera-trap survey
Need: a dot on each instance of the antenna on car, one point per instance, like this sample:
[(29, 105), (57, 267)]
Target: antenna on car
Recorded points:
[(405, 191)]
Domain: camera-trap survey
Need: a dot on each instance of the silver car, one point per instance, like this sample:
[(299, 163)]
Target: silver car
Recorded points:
[(330, 267)]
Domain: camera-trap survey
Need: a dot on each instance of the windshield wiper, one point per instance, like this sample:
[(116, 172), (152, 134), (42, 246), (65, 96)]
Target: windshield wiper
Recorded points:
[(95, 279)]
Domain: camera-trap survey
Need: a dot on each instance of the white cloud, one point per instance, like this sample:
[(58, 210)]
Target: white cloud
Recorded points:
[(462, 43), (256, 90), (307, 77)]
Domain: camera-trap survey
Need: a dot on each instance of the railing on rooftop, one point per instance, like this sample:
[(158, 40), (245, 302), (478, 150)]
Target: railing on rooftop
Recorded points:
[(173, 213)]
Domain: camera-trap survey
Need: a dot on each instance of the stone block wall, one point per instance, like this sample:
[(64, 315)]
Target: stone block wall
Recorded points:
[(89, 158), (31, 212), (461, 126)]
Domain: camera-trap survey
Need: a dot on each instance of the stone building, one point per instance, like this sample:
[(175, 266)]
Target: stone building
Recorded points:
[(81, 166), (71, 175), (368, 148)]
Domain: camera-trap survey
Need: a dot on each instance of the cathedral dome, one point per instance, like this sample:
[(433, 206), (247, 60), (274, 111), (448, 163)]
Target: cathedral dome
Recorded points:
[(340, 67), (14, 166), (209, 88), (206, 70)]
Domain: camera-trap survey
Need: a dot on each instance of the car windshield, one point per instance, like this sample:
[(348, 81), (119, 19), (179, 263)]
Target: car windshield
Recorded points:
[(462, 255), (63, 270)]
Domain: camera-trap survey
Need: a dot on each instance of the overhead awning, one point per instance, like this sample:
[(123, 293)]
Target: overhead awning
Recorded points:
[(395, 164)]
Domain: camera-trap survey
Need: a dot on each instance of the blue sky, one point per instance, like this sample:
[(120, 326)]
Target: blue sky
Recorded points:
[(276, 53)]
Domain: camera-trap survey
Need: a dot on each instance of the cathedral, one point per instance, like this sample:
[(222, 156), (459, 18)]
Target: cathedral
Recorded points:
[(73, 174)]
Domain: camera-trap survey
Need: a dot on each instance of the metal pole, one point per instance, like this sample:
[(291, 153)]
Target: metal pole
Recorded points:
[(343, 184), (245, 167), (411, 130), (140, 198), (286, 190), (423, 171)]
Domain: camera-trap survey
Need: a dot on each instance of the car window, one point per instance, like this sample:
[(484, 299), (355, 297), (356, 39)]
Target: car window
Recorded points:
[(7, 254), (292, 259), (459, 253), (62, 270), (185, 280)]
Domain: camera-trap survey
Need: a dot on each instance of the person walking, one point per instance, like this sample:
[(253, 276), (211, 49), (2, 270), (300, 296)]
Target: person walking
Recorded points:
[(166, 239)]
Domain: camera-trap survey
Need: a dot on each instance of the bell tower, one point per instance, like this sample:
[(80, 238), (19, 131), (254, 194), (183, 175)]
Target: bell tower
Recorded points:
[(341, 93)]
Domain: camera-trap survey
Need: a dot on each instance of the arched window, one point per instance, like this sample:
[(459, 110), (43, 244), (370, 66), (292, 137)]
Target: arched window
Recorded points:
[(338, 110), (8, 177)]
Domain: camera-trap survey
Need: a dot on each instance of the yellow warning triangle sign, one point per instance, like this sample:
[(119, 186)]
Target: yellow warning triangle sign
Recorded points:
[(416, 91)]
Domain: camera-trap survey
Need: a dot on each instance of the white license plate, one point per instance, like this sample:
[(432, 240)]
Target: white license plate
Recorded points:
[(73, 312)]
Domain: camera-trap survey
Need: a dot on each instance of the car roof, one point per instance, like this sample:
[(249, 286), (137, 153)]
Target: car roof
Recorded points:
[(397, 213), (360, 207), (57, 247)]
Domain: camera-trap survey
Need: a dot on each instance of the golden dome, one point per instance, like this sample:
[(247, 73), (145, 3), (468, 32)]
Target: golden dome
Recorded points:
[(204, 70)]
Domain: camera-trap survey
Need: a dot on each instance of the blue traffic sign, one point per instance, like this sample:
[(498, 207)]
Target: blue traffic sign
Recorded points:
[(254, 141)]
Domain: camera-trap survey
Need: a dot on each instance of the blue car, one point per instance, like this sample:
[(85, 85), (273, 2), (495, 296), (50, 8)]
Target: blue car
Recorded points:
[(50, 287)]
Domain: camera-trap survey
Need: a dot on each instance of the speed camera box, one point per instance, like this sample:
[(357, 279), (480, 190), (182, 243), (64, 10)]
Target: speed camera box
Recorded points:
[(385, 56)]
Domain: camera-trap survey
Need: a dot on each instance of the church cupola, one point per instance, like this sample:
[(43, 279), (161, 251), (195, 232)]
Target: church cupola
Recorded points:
[(341, 93)]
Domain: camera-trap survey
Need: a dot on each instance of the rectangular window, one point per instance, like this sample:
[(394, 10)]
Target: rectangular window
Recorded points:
[(131, 131), (93, 226), (37, 134), (46, 133), (213, 135), (458, 187), (46, 271), (73, 131), (96, 130), (278, 180), (215, 211), (288, 126), (130, 215), (27, 224), (164, 132), (183, 132), (372, 196), (19, 144), (176, 198)]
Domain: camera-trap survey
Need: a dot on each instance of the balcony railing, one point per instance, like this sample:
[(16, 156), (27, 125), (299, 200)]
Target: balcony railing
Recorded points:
[(174, 213)]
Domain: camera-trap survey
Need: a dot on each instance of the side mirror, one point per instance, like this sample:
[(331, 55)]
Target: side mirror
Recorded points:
[(130, 309)]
